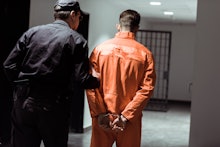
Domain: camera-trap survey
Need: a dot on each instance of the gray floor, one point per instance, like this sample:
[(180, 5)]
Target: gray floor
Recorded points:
[(160, 129)]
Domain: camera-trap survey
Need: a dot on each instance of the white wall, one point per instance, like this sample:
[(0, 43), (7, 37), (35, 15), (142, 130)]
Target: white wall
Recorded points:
[(181, 62), (205, 116), (41, 12), (103, 20)]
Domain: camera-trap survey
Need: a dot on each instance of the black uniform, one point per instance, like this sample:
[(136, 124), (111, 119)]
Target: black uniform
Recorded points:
[(42, 66)]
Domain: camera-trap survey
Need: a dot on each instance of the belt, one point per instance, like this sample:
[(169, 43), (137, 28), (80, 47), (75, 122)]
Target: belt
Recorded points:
[(39, 91), (32, 104), (46, 92)]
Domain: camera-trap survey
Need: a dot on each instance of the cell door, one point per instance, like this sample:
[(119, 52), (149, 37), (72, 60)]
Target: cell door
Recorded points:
[(159, 42)]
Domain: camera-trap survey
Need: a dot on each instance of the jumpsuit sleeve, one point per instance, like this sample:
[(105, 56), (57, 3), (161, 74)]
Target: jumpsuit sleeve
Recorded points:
[(94, 97), (82, 66), (143, 94), (13, 62)]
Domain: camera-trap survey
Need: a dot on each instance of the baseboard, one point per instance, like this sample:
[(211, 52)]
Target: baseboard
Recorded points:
[(86, 129)]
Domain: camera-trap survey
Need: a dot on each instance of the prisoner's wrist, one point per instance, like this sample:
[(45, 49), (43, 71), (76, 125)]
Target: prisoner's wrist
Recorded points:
[(124, 119)]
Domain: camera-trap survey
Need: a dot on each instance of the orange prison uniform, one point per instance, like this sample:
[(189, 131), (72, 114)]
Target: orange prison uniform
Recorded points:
[(127, 79)]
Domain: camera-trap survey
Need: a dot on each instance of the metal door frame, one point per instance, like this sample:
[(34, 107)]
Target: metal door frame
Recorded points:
[(159, 43)]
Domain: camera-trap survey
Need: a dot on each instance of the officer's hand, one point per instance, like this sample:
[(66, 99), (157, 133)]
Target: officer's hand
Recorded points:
[(95, 74)]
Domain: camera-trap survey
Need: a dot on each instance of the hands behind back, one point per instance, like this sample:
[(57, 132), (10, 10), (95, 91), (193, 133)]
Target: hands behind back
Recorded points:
[(112, 122)]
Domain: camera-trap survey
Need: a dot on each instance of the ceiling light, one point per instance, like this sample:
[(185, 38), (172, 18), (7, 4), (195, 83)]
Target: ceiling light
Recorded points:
[(168, 13), (155, 3)]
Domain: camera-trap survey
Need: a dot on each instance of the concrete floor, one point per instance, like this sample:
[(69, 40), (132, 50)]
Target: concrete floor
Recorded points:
[(159, 129)]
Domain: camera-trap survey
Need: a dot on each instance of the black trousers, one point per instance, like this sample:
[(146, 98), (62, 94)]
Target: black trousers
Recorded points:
[(5, 119), (36, 120), (5, 109)]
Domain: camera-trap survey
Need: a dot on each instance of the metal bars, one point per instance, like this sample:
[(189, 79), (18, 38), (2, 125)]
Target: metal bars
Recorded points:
[(159, 42)]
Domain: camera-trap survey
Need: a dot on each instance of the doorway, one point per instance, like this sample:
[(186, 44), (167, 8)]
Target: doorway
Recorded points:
[(77, 106)]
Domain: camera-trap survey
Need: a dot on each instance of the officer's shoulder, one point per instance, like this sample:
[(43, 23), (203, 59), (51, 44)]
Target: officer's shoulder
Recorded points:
[(36, 28)]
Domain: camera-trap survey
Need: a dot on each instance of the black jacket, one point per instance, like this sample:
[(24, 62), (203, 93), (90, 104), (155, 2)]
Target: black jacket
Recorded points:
[(52, 55)]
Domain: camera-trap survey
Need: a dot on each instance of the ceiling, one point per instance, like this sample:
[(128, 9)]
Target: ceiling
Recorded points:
[(185, 11)]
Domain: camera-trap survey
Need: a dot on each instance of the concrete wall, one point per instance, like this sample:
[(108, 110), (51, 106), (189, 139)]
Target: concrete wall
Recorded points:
[(41, 12), (205, 120), (182, 58)]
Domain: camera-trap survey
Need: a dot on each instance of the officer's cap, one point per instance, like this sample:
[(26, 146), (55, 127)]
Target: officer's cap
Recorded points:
[(67, 5)]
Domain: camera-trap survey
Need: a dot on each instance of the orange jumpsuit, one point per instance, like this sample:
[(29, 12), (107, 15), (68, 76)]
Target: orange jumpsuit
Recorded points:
[(127, 79)]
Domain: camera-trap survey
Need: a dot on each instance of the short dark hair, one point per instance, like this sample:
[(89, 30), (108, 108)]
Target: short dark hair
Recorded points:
[(61, 14), (129, 19)]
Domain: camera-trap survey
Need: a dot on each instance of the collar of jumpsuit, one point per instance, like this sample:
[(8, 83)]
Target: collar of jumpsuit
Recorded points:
[(127, 35)]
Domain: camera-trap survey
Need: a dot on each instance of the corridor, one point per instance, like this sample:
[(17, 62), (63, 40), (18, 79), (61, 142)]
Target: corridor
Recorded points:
[(159, 129)]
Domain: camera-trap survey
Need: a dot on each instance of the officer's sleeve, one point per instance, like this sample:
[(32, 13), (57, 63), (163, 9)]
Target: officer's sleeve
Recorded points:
[(82, 67), (13, 61)]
